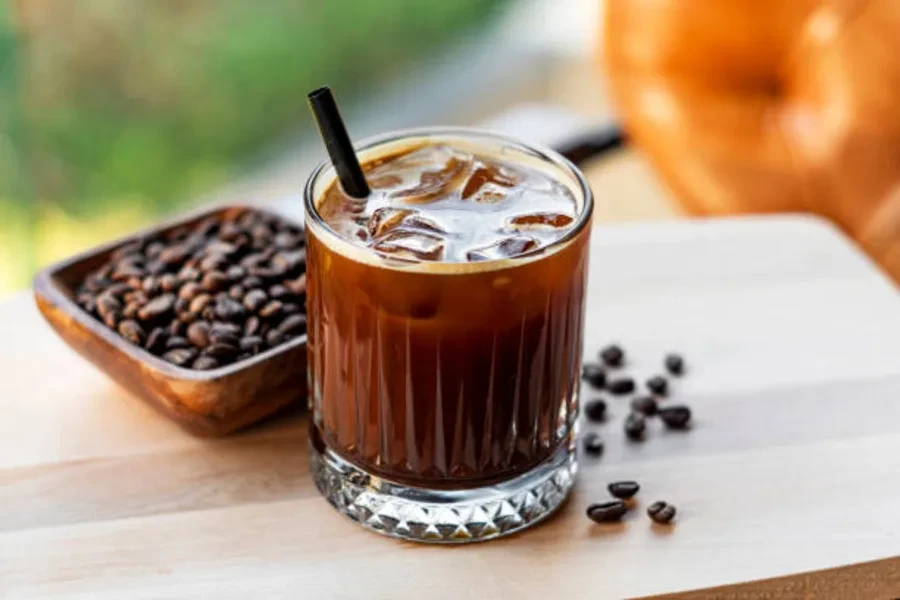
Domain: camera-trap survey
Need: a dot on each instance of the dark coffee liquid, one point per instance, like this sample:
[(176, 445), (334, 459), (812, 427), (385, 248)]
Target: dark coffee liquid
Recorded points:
[(455, 376)]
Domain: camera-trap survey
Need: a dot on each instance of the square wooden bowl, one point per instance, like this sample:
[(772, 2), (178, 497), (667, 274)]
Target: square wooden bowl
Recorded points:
[(208, 403)]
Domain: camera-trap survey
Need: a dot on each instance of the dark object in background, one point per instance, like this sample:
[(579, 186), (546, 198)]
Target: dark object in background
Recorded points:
[(675, 417), (623, 489), (635, 425), (607, 512), (612, 355), (158, 282), (592, 444), (595, 410), (661, 512), (206, 401), (621, 386), (594, 374), (674, 364)]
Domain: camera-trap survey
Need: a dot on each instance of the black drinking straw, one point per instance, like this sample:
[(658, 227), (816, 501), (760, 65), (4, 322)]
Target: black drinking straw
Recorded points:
[(337, 142)]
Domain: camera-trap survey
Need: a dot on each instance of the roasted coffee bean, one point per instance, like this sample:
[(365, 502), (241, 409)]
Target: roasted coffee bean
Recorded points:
[(236, 292), (117, 290), (595, 410), (187, 274), (204, 363), (270, 310), (230, 231), (208, 226), (645, 405), (297, 286), (168, 282), (96, 284), (293, 325), (254, 300), (674, 364), (277, 291), (222, 328), (621, 386), (176, 341), (129, 248), (131, 310), (635, 425), (135, 297), (661, 512), (107, 304), (251, 327), (253, 260), (180, 356), (223, 337), (623, 489), (252, 282), (150, 285), (274, 338), (221, 351), (658, 385), (153, 249), (88, 303), (612, 355), (176, 328), (235, 273), (214, 262), (289, 308), (182, 306), (131, 331), (198, 333), (594, 374), (209, 313), (156, 341), (134, 283), (592, 444), (285, 240), (607, 512), (155, 267), (126, 272), (178, 233), (214, 281), (251, 343), (675, 417), (288, 261), (221, 248), (228, 309), (111, 319), (200, 302), (159, 307), (189, 291), (173, 255)]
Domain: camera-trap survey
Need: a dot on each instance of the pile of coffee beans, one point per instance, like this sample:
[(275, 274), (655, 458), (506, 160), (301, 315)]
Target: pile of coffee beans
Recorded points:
[(611, 511), (205, 296)]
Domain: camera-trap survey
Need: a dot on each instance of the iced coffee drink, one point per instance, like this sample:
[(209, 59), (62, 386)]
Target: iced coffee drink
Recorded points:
[(445, 324)]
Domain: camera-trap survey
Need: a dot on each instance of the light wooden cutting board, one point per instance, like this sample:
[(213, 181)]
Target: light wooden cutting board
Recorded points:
[(792, 340)]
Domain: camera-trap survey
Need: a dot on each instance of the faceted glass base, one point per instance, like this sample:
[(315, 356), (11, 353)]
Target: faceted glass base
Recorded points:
[(442, 516)]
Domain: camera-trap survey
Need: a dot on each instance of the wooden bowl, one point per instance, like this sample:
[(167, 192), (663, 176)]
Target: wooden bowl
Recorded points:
[(206, 403)]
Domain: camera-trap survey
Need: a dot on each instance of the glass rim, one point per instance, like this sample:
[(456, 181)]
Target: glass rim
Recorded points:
[(544, 153)]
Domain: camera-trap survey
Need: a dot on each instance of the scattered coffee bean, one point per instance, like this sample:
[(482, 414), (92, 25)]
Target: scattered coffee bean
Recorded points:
[(658, 385), (645, 405), (674, 364), (620, 386), (592, 444), (623, 489), (675, 417), (594, 374), (607, 512), (612, 355), (661, 512), (635, 425), (595, 410), (231, 287)]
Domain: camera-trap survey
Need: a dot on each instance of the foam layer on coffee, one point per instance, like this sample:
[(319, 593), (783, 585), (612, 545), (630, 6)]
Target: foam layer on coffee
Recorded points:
[(443, 203)]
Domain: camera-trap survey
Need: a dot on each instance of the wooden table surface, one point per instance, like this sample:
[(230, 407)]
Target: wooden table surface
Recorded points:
[(793, 346)]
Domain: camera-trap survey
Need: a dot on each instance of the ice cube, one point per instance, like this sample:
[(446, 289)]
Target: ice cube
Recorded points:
[(427, 173), (409, 244), (380, 182), (505, 248), (385, 219), (486, 179), (420, 223), (539, 220)]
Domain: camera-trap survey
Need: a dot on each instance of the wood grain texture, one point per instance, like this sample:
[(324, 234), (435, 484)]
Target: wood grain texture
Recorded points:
[(792, 339)]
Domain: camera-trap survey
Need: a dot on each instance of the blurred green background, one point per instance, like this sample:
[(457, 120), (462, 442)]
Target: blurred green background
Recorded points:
[(113, 113)]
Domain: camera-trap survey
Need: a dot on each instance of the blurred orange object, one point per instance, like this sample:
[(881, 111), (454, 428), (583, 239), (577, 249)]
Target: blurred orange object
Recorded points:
[(767, 105)]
